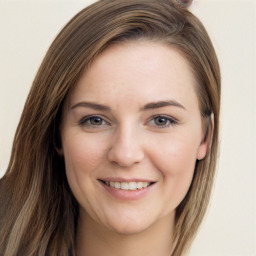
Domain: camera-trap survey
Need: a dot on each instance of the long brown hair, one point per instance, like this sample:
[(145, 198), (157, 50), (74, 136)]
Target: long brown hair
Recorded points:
[(38, 212)]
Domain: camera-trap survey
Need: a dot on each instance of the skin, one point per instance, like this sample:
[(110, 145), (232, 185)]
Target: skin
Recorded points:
[(128, 140)]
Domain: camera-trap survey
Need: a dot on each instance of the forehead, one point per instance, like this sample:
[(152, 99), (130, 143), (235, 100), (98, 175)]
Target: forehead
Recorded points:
[(136, 70)]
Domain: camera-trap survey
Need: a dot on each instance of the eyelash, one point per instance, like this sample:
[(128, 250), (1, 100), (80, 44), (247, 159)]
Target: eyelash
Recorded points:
[(87, 121), (169, 120)]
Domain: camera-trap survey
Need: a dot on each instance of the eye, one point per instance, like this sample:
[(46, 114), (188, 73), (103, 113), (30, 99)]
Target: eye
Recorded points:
[(162, 121), (93, 121)]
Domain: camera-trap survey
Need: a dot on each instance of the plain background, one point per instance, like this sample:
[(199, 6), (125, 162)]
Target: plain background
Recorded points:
[(27, 29)]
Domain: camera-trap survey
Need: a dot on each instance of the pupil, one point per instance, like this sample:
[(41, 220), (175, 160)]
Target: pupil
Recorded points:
[(96, 120), (160, 121)]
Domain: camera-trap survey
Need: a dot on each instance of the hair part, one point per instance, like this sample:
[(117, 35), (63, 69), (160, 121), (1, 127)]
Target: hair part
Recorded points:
[(39, 211)]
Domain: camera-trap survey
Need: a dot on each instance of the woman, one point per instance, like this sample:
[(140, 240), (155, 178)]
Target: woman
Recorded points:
[(116, 149)]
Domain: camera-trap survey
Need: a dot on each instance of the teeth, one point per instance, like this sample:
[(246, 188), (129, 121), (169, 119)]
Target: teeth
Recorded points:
[(128, 185)]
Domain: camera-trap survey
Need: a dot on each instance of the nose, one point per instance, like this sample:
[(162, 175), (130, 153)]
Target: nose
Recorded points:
[(126, 148)]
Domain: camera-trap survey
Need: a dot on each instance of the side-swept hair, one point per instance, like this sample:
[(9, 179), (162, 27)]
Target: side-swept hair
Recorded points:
[(38, 213)]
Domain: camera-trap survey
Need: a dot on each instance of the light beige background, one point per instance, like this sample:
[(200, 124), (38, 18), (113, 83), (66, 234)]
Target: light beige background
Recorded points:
[(28, 27)]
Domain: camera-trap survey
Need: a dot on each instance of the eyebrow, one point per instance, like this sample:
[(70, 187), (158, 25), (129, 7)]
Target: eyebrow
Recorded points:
[(148, 106), (161, 104), (91, 105)]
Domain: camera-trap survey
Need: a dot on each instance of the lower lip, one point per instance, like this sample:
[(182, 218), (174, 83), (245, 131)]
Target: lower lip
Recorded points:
[(129, 195)]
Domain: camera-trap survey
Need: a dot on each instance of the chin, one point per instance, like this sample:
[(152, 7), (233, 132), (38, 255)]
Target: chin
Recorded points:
[(129, 225), (128, 229)]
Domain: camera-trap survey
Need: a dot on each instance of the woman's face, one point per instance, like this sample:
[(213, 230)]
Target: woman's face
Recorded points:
[(131, 134)]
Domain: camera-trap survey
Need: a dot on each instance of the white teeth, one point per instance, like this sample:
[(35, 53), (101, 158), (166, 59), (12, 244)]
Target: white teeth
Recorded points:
[(128, 185), (117, 185), (124, 185), (139, 185), (132, 185)]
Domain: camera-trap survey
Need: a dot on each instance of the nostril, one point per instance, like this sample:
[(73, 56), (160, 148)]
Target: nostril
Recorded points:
[(125, 157)]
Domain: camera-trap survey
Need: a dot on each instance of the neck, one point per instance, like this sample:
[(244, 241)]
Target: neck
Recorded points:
[(95, 240)]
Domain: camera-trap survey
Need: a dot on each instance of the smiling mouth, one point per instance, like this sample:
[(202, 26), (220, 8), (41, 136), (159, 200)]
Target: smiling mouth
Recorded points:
[(132, 185)]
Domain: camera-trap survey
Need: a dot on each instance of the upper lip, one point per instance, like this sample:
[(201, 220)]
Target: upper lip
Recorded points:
[(120, 179)]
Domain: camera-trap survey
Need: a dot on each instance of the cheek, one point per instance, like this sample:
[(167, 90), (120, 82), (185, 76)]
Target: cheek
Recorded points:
[(177, 156), (176, 162), (82, 154)]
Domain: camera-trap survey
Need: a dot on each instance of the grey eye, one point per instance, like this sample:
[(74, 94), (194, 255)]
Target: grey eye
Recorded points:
[(161, 121), (95, 120), (92, 121)]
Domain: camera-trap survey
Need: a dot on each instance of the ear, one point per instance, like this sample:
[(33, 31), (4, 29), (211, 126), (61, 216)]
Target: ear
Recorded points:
[(206, 138), (58, 145), (57, 141), (59, 150)]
